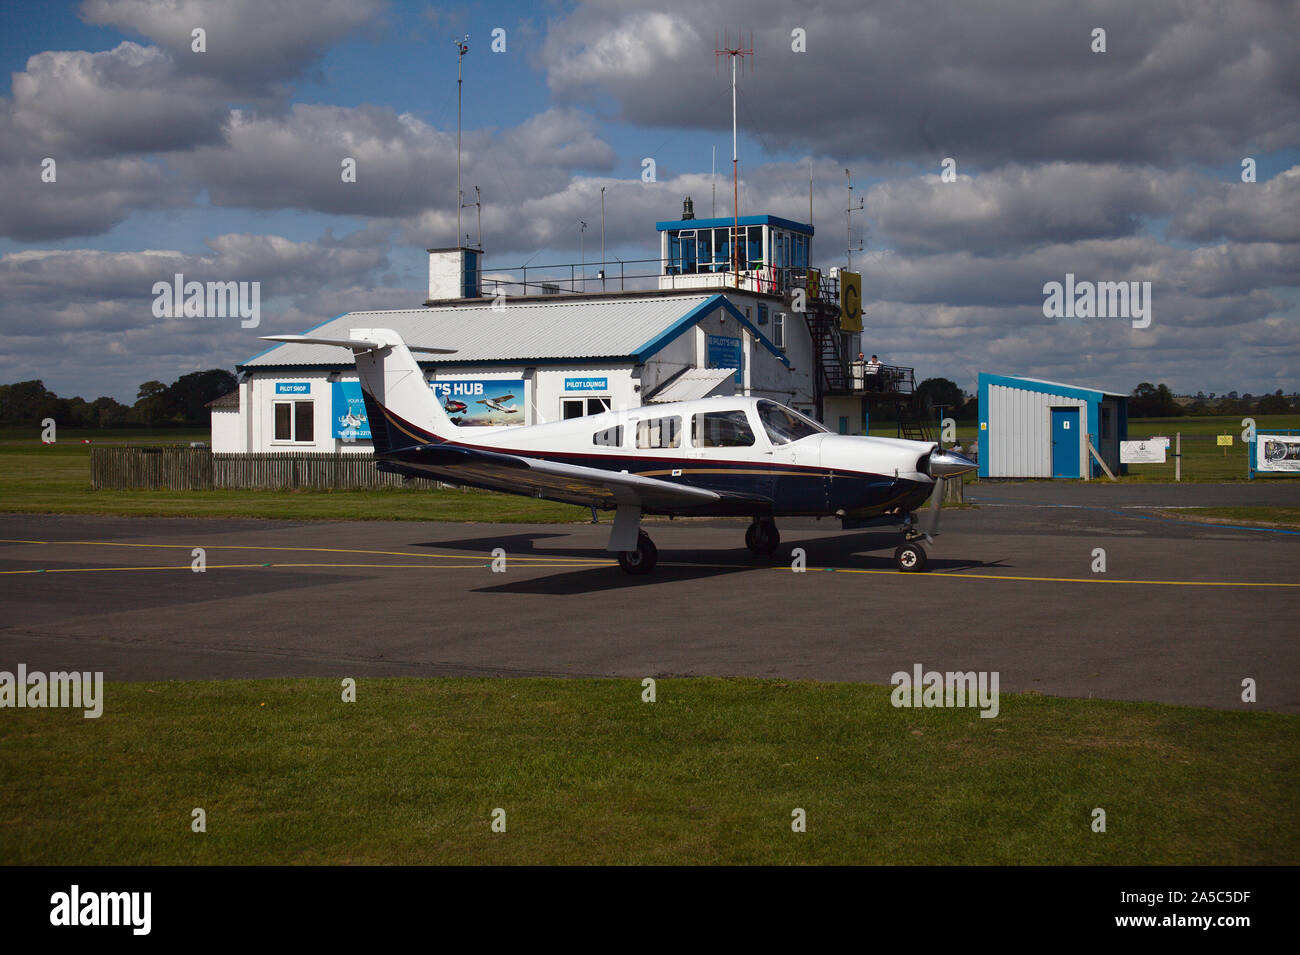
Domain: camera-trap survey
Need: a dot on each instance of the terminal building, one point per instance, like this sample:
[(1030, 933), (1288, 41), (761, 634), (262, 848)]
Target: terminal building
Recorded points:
[(730, 307)]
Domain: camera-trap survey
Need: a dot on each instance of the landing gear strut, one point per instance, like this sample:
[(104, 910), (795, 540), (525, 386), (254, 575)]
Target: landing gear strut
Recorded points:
[(643, 559), (762, 536)]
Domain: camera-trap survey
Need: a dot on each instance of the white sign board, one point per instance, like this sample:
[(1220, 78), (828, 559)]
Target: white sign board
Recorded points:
[(1150, 451), (1277, 452)]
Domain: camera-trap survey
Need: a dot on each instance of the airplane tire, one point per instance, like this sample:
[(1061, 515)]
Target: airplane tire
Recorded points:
[(763, 538), (643, 559), (910, 558)]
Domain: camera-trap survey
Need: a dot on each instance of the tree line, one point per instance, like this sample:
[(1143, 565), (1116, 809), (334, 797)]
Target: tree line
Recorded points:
[(183, 403)]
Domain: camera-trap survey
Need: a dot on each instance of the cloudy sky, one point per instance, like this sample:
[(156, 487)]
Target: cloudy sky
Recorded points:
[(225, 165)]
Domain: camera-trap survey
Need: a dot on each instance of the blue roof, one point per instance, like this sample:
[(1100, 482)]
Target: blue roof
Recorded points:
[(721, 223)]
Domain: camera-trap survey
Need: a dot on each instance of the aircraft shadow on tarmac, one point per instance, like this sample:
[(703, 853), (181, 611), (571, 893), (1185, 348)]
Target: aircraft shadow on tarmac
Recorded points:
[(840, 551)]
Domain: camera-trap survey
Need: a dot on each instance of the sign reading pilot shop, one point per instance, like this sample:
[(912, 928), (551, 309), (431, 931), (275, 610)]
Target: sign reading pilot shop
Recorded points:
[(724, 352), (586, 384), (293, 387)]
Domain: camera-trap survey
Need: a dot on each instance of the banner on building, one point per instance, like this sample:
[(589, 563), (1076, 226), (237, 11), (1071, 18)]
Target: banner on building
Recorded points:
[(482, 402), (1277, 452), (1150, 451), (349, 412), (724, 352), (850, 301)]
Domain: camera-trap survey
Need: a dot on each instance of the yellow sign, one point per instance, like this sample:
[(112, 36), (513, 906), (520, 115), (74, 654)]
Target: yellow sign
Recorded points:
[(850, 301), (814, 284), (1225, 441)]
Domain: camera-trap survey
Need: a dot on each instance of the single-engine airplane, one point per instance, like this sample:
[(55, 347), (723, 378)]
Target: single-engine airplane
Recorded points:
[(722, 456), (496, 404)]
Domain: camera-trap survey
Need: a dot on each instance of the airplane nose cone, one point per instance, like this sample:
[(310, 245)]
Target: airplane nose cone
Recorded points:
[(945, 464)]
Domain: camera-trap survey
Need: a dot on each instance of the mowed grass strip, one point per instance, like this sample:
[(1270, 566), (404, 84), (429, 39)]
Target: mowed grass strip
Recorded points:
[(588, 773)]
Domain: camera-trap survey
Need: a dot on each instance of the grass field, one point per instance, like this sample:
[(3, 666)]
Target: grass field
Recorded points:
[(36, 478), (1251, 516), (588, 773)]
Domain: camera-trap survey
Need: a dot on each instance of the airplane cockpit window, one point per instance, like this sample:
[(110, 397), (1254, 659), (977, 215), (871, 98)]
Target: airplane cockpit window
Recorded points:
[(722, 429), (659, 433), (784, 424), (609, 438)]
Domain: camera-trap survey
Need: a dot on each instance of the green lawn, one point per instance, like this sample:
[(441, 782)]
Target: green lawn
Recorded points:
[(36, 478), (588, 773)]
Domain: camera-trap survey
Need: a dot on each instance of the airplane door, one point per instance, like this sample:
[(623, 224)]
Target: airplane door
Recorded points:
[(1065, 443)]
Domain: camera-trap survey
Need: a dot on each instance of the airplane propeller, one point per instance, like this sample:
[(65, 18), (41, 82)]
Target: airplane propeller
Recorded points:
[(941, 466)]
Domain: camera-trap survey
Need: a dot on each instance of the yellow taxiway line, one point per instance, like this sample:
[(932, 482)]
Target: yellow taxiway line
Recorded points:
[(1058, 580)]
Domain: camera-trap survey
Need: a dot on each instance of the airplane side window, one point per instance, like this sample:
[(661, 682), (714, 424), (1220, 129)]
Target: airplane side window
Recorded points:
[(784, 425), (609, 438), (659, 433), (722, 429)]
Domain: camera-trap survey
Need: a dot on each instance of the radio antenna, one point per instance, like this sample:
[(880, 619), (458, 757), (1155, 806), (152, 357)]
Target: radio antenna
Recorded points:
[(733, 54)]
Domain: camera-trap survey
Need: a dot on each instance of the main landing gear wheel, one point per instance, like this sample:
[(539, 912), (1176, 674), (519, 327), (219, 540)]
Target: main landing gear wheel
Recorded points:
[(643, 559), (762, 537), (910, 557)]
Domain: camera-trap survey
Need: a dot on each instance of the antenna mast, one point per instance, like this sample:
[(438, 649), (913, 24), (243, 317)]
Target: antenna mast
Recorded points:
[(462, 47), (734, 53), (848, 221)]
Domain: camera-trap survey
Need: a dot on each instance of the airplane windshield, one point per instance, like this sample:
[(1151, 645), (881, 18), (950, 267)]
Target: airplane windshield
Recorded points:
[(784, 424)]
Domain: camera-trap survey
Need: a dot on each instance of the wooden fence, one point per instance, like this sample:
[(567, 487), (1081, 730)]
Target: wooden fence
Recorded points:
[(199, 469)]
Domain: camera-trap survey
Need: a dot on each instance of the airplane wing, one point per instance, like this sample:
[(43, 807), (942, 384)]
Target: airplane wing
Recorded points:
[(572, 483)]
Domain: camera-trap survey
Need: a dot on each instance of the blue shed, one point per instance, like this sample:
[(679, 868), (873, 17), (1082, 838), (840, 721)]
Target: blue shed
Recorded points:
[(1031, 428)]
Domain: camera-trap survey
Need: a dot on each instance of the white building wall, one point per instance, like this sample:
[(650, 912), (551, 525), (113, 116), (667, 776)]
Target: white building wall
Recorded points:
[(227, 433), (1020, 431)]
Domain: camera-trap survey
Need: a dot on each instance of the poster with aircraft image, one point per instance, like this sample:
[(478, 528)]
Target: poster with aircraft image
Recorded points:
[(481, 402)]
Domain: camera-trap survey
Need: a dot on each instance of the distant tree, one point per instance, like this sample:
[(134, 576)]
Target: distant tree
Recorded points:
[(27, 403), (1273, 404), (187, 397), (939, 391), (1153, 401)]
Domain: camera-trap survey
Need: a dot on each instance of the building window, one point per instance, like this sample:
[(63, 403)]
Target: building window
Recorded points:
[(609, 438), (581, 407), (294, 421), (762, 313), (778, 330), (721, 429), (659, 433)]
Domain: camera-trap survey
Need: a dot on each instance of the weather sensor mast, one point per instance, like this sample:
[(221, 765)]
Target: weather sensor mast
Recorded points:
[(733, 54)]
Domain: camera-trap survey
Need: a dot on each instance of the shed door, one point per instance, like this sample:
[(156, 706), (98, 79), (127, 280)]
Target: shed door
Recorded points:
[(1065, 442)]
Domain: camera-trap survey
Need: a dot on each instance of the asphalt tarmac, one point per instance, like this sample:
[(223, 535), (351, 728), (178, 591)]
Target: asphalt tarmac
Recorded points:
[(1183, 612)]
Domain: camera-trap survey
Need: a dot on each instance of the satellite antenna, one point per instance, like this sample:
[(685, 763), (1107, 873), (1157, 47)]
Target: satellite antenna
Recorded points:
[(734, 53)]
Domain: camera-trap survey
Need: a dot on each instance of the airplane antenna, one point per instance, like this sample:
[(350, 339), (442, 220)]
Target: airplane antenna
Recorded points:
[(733, 54)]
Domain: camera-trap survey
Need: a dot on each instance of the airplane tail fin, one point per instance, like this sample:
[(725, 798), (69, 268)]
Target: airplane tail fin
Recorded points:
[(402, 408)]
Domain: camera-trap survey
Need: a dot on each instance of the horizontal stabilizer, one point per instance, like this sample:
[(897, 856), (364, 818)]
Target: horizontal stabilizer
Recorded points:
[(356, 344)]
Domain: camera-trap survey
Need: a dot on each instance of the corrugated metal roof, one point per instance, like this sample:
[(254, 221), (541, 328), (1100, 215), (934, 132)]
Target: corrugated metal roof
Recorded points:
[(695, 383), (1061, 384), (516, 331)]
